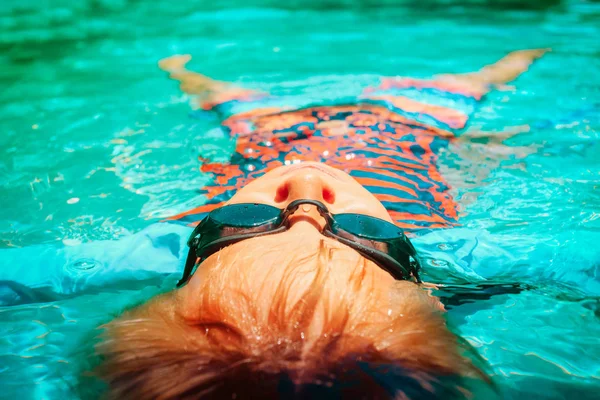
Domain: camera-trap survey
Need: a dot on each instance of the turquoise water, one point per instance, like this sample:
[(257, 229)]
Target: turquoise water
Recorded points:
[(97, 144)]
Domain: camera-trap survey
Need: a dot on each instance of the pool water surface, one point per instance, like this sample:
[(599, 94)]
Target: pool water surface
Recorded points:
[(98, 144)]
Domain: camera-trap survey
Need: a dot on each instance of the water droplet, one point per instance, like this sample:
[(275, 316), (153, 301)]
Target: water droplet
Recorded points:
[(445, 246), (73, 200), (248, 151), (250, 167)]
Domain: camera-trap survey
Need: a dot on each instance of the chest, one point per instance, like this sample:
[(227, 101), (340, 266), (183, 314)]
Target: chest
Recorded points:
[(345, 137)]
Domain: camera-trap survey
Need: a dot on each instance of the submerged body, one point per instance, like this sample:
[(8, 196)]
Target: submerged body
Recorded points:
[(387, 138)]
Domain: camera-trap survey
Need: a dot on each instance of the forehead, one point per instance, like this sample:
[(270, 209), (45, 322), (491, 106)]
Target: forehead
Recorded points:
[(291, 262), (298, 242), (302, 248)]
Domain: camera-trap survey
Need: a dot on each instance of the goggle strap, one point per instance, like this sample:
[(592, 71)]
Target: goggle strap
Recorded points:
[(190, 263), (196, 232), (414, 269)]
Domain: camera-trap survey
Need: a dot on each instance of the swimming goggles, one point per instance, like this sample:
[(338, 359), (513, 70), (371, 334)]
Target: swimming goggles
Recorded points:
[(374, 238)]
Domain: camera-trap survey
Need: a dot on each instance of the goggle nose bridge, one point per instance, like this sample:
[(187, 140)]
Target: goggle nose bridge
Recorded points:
[(294, 205)]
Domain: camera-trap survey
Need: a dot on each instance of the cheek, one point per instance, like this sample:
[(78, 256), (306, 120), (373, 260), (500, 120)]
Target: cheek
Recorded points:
[(255, 192), (357, 199)]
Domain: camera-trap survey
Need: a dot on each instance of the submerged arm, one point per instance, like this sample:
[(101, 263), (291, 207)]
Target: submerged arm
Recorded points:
[(149, 255), (502, 71), (208, 90), (190, 82)]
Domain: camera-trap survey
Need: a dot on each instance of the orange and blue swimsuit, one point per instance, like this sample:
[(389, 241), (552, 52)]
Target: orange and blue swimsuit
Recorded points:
[(388, 139)]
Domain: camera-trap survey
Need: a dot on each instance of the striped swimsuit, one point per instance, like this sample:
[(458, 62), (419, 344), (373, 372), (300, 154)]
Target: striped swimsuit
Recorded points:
[(388, 139)]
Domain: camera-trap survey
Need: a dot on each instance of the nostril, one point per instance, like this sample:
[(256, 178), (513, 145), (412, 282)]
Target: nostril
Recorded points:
[(282, 193), (328, 195)]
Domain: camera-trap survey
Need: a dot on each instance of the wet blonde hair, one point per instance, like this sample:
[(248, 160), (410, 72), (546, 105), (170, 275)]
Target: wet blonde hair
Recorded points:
[(301, 331)]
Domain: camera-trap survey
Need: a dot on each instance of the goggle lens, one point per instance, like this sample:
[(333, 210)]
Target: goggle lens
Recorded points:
[(245, 215), (368, 227)]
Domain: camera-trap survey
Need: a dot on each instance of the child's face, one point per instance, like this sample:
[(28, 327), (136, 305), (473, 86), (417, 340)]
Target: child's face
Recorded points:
[(261, 260), (315, 181)]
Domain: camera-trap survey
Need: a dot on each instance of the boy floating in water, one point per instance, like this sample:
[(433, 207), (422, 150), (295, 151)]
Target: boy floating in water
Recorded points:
[(306, 286)]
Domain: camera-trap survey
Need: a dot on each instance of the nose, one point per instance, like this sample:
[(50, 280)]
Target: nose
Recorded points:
[(305, 184)]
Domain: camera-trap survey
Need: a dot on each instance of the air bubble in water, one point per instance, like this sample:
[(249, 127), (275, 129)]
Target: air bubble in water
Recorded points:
[(84, 264), (438, 263)]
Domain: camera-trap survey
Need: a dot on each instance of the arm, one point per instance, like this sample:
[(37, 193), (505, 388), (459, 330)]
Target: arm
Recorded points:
[(190, 82), (46, 272), (501, 72), (209, 92), (447, 101)]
